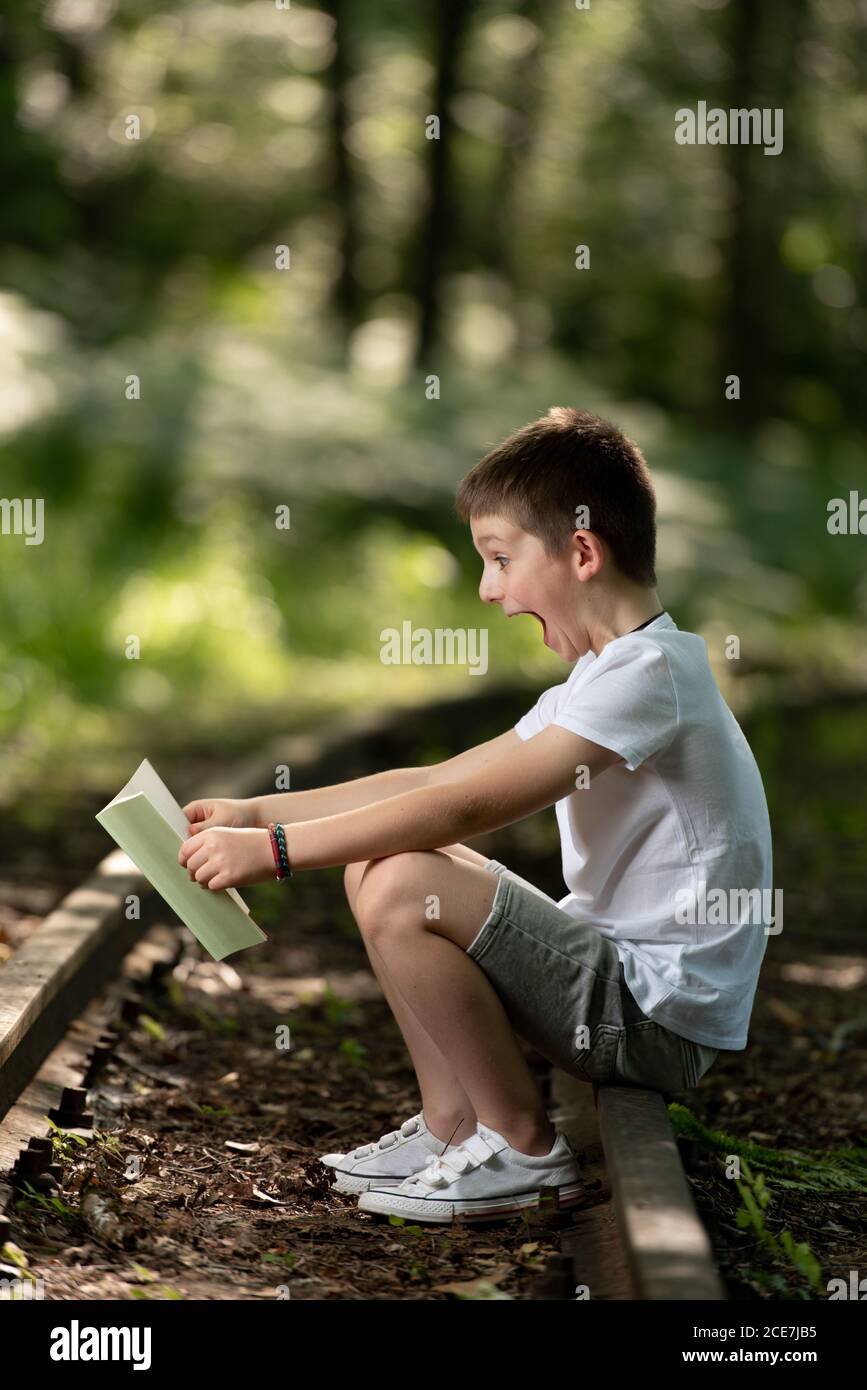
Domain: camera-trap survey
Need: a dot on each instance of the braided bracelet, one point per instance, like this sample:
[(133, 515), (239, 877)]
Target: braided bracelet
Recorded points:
[(277, 837)]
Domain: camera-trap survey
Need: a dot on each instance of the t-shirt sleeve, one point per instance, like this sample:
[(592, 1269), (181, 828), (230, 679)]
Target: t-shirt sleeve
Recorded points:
[(542, 713), (625, 702)]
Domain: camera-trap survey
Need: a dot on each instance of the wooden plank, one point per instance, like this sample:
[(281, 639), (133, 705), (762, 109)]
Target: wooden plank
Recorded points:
[(599, 1261), (667, 1247), (53, 975), (592, 1243), (67, 1063)]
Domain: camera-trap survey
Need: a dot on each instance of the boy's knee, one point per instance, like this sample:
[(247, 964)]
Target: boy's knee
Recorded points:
[(386, 884), (354, 873)]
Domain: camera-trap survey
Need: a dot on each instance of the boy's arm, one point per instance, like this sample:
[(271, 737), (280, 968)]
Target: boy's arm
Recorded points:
[(511, 780), (320, 802), (342, 796)]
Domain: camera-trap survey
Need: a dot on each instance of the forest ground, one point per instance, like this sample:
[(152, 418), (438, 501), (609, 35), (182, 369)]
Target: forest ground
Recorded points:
[(200, 1073)]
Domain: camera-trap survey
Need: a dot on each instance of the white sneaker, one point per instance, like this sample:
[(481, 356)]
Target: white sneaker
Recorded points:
[(482, 1178), (389, 1160)]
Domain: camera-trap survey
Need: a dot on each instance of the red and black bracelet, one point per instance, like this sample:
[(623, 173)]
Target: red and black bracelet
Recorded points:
[(277, 836)]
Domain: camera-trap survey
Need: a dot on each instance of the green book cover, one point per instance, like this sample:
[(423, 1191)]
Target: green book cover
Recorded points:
[(143, 820)]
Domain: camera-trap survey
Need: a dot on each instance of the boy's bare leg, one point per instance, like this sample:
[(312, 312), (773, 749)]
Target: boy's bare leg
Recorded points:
[(444, 989), (447, 1109), (472, 856)]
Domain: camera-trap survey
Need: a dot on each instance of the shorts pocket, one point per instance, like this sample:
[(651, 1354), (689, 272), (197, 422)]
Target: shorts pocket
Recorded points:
[(598, 1062), (702, 1059), (652, 1056)]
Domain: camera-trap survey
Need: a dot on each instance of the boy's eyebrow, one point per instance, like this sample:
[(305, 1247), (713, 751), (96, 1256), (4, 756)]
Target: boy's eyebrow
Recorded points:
[(482, 539)]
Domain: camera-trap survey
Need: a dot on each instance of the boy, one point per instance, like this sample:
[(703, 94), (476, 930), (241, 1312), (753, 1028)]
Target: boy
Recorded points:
[(658, 801)]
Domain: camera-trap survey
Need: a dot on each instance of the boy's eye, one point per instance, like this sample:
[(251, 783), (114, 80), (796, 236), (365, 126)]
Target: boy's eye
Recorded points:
[(498, 558)]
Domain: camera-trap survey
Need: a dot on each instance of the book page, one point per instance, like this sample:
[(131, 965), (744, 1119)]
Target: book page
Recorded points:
[(214, 918), (147, 780)]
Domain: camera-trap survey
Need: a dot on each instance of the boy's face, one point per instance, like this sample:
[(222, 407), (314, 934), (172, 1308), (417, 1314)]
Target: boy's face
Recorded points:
[(523, 579)]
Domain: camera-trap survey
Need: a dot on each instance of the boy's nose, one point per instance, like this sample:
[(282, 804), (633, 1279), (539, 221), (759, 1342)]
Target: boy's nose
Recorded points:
[(489, 592)]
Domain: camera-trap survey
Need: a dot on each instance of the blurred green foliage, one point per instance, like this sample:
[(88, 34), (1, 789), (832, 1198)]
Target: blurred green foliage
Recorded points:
[(308, 387)]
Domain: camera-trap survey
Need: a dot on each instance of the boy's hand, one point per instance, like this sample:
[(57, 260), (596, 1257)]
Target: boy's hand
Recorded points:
[(221, 858), (215, 811)]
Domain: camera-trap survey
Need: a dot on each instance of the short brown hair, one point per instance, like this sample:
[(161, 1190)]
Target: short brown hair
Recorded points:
[(568, 458)]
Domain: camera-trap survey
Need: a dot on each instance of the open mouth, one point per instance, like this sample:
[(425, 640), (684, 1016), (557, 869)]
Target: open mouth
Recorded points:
[(530, 612)]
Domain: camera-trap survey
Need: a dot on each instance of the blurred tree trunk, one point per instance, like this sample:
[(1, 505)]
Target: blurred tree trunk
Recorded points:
[(440, 229), (501, 229), (743, 340), (763, 39), (347, 292)]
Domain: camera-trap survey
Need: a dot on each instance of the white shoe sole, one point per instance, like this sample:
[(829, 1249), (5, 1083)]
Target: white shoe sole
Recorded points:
[(354, 1183), (386, 1203)]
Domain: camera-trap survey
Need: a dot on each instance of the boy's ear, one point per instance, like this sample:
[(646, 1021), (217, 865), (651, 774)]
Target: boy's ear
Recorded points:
[(591, 553)]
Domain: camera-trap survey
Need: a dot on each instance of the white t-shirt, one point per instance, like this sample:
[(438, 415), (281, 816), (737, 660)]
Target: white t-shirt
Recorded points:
[(686, 808)]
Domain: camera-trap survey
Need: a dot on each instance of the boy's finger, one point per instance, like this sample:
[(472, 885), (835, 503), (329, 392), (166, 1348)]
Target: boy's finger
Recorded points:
[(185, 850)]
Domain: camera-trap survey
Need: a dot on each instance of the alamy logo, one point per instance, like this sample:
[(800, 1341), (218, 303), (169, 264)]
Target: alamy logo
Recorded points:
[(17, 518), (443, 647), (847, 520), (856, 1288), (21, 1290), (732, 907), (76, 1343), (740, 126)]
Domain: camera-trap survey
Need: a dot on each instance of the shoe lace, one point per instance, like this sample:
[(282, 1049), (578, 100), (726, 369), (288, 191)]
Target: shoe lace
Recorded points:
[(388, 1141), (442, 1169)]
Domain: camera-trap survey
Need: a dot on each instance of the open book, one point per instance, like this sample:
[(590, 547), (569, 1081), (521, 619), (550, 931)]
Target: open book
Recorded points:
[(149, 825)]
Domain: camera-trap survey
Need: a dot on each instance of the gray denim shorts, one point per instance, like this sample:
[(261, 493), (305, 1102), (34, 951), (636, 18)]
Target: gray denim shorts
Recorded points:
[(562, 985)]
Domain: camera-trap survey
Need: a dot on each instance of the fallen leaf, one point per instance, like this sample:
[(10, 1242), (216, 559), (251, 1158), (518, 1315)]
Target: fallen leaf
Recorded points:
[(482, 1287), (266, 1197)]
